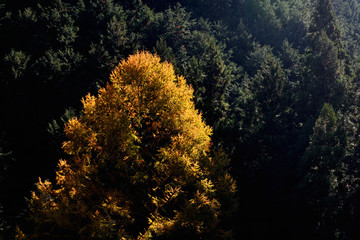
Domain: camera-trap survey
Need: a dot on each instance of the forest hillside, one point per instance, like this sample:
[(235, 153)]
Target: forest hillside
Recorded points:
[(163, 119)]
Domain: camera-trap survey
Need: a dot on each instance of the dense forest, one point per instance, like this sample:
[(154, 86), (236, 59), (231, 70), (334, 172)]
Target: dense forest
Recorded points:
[(162, 119)]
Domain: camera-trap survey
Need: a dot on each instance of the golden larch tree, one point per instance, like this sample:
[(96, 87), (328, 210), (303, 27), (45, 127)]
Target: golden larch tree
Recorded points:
[(139, 164)]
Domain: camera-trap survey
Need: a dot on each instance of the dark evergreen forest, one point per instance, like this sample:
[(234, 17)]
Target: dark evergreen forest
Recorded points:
[(278, 81)]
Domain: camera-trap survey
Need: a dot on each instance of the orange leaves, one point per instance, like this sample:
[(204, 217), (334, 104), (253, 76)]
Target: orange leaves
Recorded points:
[(157, 225), (19, 235), (44, 187), (206, 185), (136, 154), (89, 104), (201, 200), (43, 200), (79, 134), (63, 172), (144, 69)]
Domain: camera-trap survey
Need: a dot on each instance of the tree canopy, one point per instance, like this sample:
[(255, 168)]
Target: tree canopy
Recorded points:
[(139, 164), (275, 85)]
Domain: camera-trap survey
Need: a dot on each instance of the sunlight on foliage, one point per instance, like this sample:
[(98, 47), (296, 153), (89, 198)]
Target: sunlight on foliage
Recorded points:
[(139, 163)]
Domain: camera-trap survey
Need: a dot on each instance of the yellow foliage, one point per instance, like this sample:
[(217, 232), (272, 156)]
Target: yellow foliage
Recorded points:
[(19, 235), (136, 153)]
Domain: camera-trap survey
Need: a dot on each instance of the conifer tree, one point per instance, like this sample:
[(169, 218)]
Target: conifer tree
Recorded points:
[(321, 168), (324, 19), (107, 40), (265, 114), (139, 164), (211, 74), (327, 61), (205, 62)]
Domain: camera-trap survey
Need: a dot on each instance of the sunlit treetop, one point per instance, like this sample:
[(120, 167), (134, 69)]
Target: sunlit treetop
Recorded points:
[(138, 165)]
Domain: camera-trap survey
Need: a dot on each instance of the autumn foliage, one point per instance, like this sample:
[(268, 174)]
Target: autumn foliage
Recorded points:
[(138, 166)]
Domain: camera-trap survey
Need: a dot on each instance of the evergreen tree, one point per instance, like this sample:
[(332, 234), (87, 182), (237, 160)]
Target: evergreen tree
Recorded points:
[(261, 143), (321, 168), (348, 15), (266, 112), (327, 61), (206, 62), (139, 164), (326, 73), (324, 19), (211, 74)]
